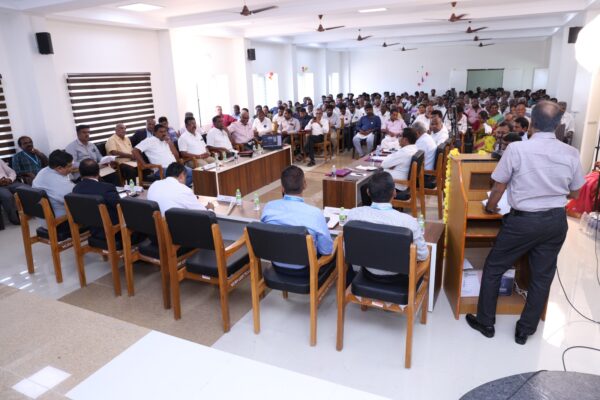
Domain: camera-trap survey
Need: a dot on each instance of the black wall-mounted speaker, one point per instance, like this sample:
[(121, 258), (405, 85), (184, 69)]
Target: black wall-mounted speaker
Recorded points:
[(44, 42), (573, 33), (251, 54)]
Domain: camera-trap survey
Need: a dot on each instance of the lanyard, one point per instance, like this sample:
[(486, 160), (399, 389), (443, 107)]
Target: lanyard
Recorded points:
[(35, 160)]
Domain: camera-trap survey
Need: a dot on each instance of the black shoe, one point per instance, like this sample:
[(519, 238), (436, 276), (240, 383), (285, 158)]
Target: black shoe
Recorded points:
[(520, 337), (311, 164), (487, 331)]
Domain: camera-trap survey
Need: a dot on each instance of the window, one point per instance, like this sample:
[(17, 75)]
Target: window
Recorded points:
[(266, 89), (103, 100), (306, 87), (7, 143), (484, 78), (334, 83)]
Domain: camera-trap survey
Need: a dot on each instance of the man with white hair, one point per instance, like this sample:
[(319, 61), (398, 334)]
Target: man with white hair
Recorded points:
[(426, 143)]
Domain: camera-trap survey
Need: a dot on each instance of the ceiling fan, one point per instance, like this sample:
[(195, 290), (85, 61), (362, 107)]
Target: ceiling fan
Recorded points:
[(475, 39), (483, 45), (321, 29), (389, 45), (405, 49), (471, 30), (453, 16), (361, 38), (246, 12)]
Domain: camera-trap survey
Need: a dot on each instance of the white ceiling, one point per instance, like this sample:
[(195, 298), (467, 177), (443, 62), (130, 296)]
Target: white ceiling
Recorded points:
[(295, 21)]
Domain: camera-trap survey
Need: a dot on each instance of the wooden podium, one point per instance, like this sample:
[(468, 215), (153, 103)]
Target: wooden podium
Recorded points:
[(469, 226)]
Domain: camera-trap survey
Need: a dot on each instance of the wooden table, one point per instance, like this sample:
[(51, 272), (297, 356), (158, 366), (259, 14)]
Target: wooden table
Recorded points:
[(345, 192), (247, 174)]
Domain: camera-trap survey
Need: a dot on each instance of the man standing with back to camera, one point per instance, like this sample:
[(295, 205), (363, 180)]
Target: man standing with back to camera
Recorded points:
[(540, 174)]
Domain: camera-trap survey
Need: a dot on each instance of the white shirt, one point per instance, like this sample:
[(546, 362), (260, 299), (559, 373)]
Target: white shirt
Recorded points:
[(440, 108), (462, 124), (390, 142), (169, 193), (358, 114), (291, 126), (441, 136), (427, 145), (218, 138), (398, 163), (334, 120), (317, 129), (157, 151), (569, 122), (347, 118), (278, 119), (192, 143), (262, 127), (423, 119)]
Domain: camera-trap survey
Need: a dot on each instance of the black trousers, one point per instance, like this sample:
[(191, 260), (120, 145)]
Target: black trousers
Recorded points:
[(540, 235), (128, 172), (310, 145)]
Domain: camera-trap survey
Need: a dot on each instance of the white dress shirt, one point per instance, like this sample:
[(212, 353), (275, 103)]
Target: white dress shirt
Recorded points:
[(441, 136), (427, 145), (390, 142), (423, 119), (334, 120), (278, 119), (317, 129), (461, 125), (192, 143), (219, 138), (358, 114), (347, 118), (169, 193), (290, 126), (263, 127), (398, 163), (157, 151), (569, 122)]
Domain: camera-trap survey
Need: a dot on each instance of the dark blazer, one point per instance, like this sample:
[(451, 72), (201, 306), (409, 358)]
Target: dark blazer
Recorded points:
[(108, 193), (138, 136)]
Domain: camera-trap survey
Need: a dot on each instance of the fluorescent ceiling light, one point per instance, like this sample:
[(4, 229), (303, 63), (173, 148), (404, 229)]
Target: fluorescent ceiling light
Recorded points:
[(371, 10), (141, 7)]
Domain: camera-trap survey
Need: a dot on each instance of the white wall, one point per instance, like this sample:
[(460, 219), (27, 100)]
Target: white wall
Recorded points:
[(394, 70)]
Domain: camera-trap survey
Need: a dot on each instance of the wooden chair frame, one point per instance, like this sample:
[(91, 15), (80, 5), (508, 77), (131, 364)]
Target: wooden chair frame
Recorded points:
[(140, 171), (179, 272), (416, 186), (325, 145), (340, 140), (56, 247), (132, 254), (417, 297), (316, 293), (112, 253), (440, 180)]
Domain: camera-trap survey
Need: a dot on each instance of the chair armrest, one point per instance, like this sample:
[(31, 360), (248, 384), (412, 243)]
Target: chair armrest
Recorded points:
[(402, 182), (149, 166), (324, 260), (430, 172), (235, 246), (60, 220), (423, 266)]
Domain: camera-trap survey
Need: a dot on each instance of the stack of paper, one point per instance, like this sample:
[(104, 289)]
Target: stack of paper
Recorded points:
[(366, 168), (471, 283), (502, 204), (226, 199)]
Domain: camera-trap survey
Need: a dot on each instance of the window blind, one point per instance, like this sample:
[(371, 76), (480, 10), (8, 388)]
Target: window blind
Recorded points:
[(7, 142), (102, 100)]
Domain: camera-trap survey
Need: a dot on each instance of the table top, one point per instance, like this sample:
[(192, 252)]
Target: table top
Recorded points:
[(364, 161), (231, 164)]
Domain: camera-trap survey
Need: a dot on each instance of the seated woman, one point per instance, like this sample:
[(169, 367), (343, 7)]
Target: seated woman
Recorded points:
[(587, 195), (484, 138)]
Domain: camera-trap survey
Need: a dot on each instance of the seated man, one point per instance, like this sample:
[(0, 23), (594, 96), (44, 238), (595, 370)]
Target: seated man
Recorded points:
[(393, 130), (381, 190), (262, 125), (316, 130), (29, 161), (89, 184), (521, 126), (82, 148), (439, 133), (426, 143), (288, 126), (7, 190), (368, 126), (292, 211), (279, 116), (241, 132), (226, 119), (54, 180), (191, 145), (218, 138), (173, 134), (172, 191), (160, 151), (144, 133), (119, 145)]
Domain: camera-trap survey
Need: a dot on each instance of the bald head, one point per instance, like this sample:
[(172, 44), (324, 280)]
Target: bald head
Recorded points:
[(545, 116), (244, 117)]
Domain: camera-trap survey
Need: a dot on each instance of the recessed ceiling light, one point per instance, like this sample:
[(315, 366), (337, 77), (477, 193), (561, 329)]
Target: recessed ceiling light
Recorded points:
[(141, 7), (372, 10)]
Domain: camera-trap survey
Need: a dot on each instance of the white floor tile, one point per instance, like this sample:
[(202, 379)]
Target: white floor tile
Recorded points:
[(30, 389), (49, 377)]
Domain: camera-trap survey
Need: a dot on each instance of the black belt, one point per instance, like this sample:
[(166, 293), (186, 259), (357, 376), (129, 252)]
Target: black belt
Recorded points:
[(552, 211)]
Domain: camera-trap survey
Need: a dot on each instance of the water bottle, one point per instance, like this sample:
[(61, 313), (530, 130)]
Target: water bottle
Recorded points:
[(224, 154), (378, 151), (421, 222), (254, 148), (238, 197), (131, 186), (256, 202), (333, 172), (343, 216)]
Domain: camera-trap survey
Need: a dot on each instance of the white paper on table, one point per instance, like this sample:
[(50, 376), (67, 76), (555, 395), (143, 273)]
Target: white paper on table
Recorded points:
[(378, 158), (471, 283), (107, 159), (226, 199), (333, 220), (502, 204), (366, 168), (467, 265), (208, 166), (106, 171)]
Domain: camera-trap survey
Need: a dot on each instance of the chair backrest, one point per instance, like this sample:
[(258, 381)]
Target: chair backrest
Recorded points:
[(418, 157), (84, 209), (31, 199), (439, 154), (384, 247), (101, 148), (279, 243), (138, 215), (191, 228)]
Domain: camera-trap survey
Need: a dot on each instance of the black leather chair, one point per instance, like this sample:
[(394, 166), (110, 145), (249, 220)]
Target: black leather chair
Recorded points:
[(435, 179), (388, 248), (34, 203), (142, 217), (415, 190), (289, 245), (90, 211), (209, 260)]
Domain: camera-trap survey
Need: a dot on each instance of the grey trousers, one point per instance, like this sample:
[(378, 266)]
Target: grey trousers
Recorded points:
[(7, 200)]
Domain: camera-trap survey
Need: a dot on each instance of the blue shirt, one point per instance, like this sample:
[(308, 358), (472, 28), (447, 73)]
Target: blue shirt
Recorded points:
[(56, 187), (369, 122), (293, 211)]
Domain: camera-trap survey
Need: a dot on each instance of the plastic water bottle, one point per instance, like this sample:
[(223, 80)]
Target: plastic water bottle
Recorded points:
[(131, 186), (254, 148), (421, 222), (238, 197), (333, 172), (343, 216), (256, 202), (224, 156)]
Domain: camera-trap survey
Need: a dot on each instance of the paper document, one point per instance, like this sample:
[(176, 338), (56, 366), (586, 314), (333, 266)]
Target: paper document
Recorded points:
[(106, 171), (377, 158), (471, 283), (231, 207), (226, 199), (333, 221), (467, 265), (107, 159), (366, 168), (502, 204), (207, 167)]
